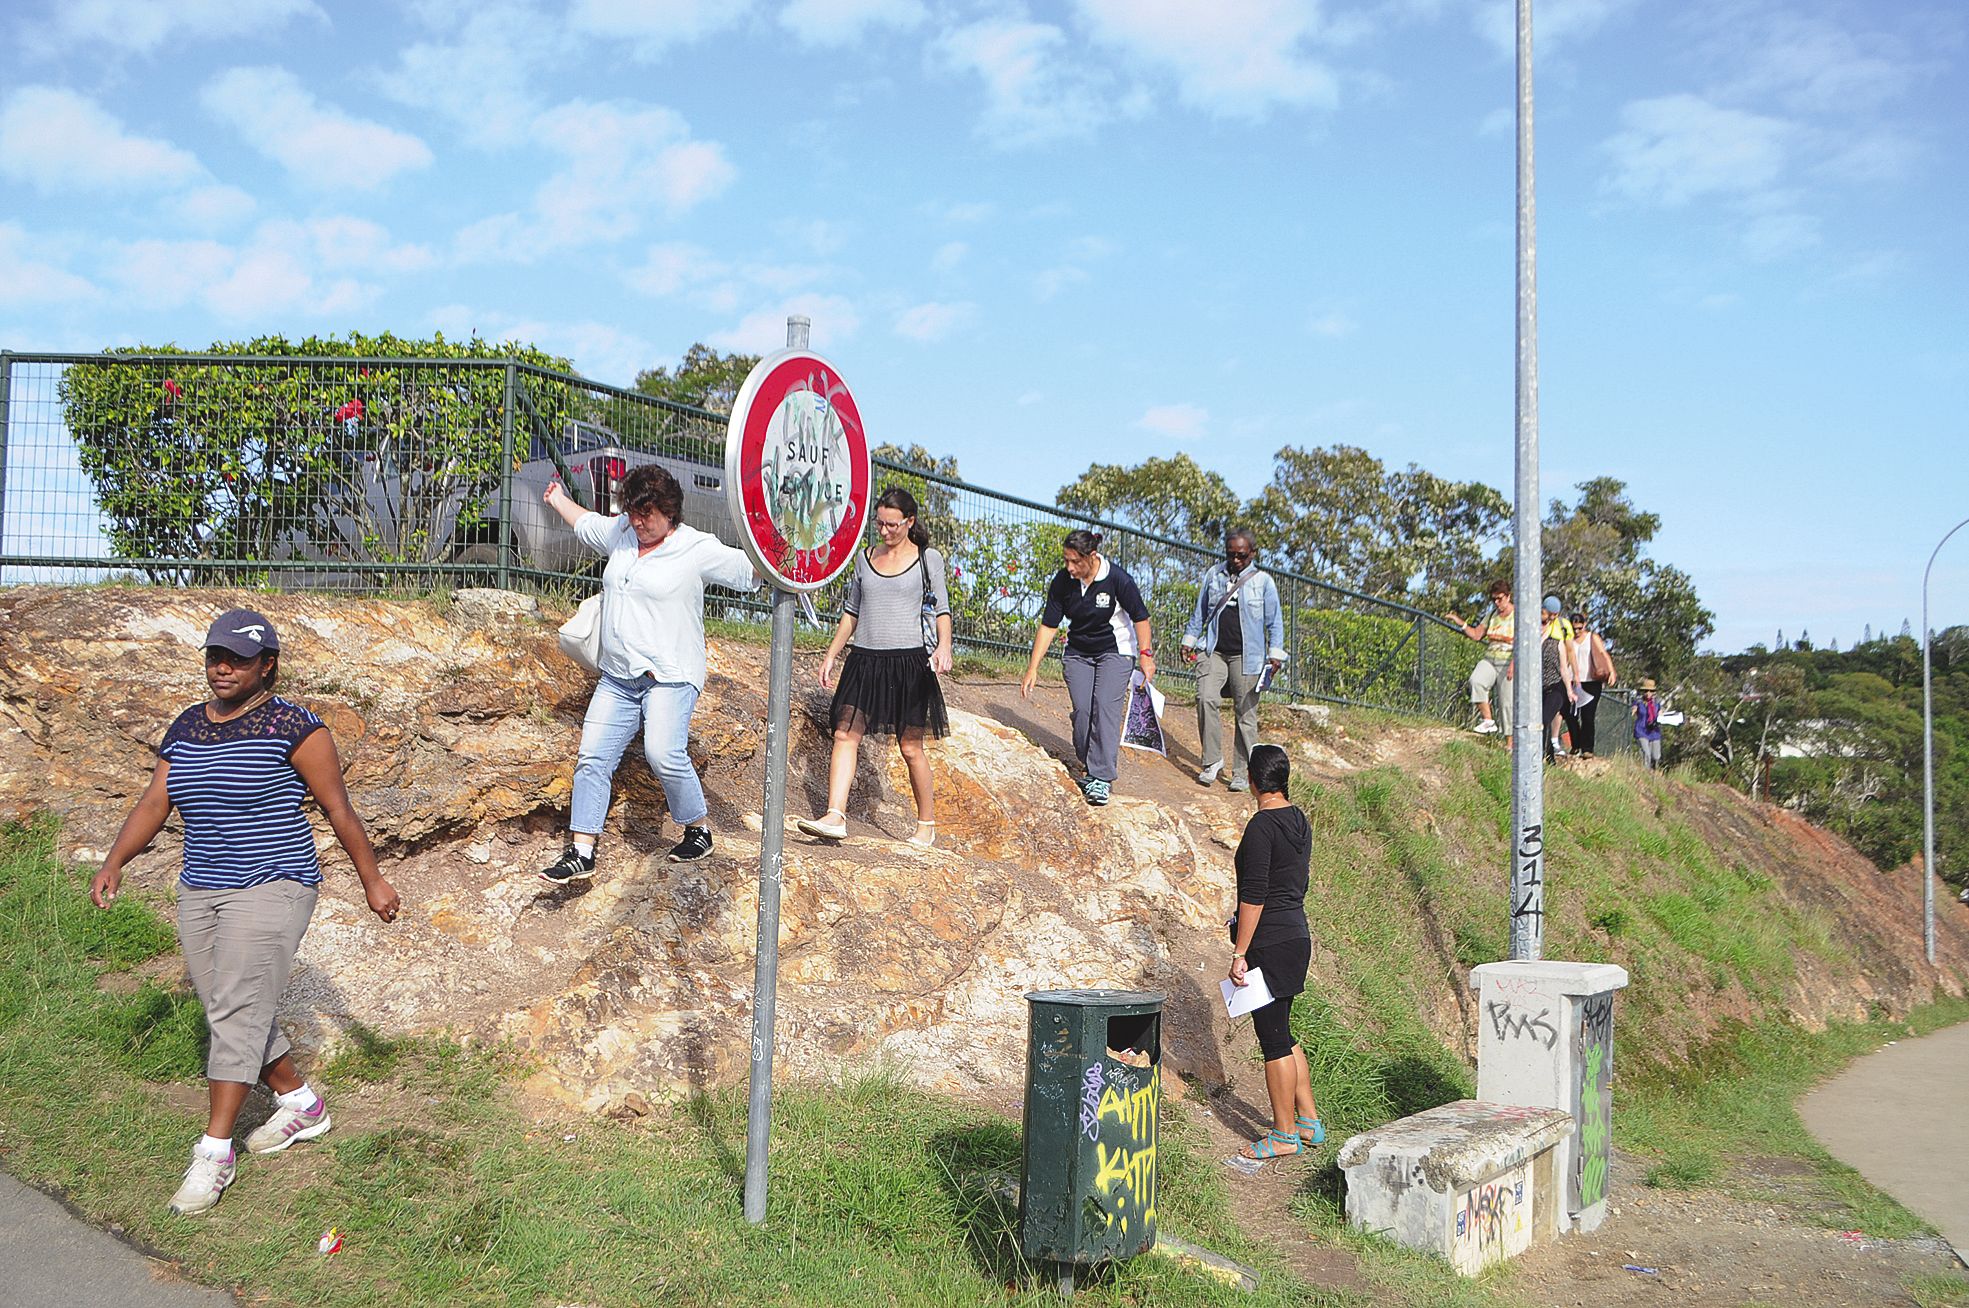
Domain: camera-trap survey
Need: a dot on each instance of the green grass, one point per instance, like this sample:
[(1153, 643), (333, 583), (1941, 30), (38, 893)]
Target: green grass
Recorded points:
[(445, 1191)]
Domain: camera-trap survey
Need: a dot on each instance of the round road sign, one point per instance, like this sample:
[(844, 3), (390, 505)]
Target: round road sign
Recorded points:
[(797, 473)]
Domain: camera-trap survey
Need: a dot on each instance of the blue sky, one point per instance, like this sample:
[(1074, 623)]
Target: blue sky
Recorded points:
[(1040, 235)]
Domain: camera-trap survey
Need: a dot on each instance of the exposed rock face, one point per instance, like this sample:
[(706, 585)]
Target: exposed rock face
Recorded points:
[(457, 723)]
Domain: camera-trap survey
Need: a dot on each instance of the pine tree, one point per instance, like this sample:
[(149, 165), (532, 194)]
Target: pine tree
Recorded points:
[(1866, 634), (1907, 629), (1780, 644)]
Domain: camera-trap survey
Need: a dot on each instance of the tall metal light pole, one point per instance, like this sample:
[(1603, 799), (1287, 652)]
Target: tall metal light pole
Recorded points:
[(1928, 761), (1528, 740)]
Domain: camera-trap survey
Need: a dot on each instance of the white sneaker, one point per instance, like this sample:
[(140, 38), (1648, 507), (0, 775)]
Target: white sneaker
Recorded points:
[(1486, 727), (1209, 774), (205, 1180), (287, 1126)]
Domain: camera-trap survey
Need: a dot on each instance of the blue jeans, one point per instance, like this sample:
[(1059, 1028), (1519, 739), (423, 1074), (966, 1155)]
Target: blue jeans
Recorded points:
[(662, 709)]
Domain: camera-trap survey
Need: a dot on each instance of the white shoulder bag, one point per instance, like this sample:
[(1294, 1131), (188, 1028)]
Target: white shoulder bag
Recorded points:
[(581, 635)]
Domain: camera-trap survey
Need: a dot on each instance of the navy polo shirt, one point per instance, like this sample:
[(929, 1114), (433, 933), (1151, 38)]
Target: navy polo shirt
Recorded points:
[(1100, 617)]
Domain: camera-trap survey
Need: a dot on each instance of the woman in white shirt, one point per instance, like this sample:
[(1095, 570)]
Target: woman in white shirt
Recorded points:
[(652, 658)]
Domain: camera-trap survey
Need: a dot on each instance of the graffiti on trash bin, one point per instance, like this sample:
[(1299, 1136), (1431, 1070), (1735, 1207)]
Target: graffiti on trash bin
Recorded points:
[(1125, 1173), (1090, 1102)]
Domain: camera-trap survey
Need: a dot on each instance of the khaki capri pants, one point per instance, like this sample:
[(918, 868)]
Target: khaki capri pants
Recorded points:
[(240, 947), (1483, 677)]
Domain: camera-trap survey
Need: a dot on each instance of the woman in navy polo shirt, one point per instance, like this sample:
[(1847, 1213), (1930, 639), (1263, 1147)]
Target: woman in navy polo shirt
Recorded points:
[(237, 768), (1107, 630)]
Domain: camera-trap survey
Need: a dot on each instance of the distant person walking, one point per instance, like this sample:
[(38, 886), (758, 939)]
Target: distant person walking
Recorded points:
[(1558, 708), (1647, 725), (1237, 629), (1270, 934), (652, 661), (1107, 633), (237, 769), (1555, 678), (1594, 667), (889, 683), (1493, 670)]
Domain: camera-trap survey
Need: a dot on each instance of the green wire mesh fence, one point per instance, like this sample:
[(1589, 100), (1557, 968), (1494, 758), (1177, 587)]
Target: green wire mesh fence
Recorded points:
[(399, 474)]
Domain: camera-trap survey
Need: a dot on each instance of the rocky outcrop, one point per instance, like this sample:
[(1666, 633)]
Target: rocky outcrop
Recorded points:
[(457, 723)]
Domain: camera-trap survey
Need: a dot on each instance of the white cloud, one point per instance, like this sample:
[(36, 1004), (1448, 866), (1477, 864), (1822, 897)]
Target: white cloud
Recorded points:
[(835, 321), (59, 141), (672, 267), (949, 255), (620, 161), (1555, 23), (480, 79), (141, 26), (1030, 398), (320, 266), (31, 279), (1181, 421), (958, 213), (820, 235), (213, 208), (596, 349), (840, 22), (1809, 63), (932, 321), (1033, 92), (1047, 284), (1679, 148), (319, 144), (678, 268), (1779, 234), (1236, 60), (1331, 324), (652, 26)]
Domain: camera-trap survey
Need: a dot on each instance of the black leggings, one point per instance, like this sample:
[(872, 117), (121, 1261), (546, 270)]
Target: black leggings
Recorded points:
[(1273, 1023), (1557, 706)]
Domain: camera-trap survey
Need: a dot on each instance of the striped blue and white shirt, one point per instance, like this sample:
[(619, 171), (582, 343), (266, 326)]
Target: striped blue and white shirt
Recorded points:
[(235, 786)]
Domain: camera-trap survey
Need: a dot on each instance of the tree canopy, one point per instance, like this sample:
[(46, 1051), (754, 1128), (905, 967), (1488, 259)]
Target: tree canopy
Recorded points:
[(704, 379)]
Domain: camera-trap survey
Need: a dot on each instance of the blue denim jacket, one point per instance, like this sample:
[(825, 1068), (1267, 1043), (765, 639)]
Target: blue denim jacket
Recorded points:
[(1260, 619)]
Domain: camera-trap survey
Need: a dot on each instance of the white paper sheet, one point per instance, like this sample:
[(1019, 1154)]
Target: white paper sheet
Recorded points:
[(1254, 994)]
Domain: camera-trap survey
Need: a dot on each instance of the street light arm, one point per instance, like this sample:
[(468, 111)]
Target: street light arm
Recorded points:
[(1928, 761)]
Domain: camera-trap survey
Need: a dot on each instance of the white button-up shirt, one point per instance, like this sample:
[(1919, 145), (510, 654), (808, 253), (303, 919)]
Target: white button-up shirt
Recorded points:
[(653, 604)]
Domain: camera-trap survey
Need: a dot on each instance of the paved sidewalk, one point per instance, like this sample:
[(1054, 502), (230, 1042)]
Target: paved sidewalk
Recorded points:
[(1900, 1118), (50, 1258)]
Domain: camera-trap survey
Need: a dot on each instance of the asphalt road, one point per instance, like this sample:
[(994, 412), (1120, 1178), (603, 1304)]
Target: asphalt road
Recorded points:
[(50, 1258), (1900, 1118)]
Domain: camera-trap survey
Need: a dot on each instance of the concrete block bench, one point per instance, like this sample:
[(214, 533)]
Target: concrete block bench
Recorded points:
[(1476, 1183)]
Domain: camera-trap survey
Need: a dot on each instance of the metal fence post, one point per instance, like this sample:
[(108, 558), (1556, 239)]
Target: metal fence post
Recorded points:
[(1421, 666), (505, 579), (1292, 644), (6, 411)]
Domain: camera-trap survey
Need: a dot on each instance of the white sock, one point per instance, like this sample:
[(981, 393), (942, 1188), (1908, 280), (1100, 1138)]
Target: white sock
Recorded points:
[(585, 848), (300, 1099), (212, 1147)]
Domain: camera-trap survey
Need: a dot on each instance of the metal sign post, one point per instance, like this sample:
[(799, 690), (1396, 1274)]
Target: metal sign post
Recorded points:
[(798, 480), (1528, 744)]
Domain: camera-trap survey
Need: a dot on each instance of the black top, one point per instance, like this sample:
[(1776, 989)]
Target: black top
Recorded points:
[(1550, 662), (1100, 617), (1272, 870), (1230, 629)]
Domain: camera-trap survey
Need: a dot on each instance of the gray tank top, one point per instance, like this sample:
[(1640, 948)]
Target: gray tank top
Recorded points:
[(889, 610)]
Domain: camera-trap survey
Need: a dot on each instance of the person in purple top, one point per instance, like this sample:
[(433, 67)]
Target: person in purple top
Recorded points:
[(1647, 724), (237, 769)]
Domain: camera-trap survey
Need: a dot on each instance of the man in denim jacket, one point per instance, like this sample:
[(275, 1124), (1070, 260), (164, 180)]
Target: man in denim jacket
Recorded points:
[(1237, 630)]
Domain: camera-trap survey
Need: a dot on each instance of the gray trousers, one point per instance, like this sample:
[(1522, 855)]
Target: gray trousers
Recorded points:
[(1214, 676), (239, 946), (1483, 678), (1098, 686), (1650, 752)]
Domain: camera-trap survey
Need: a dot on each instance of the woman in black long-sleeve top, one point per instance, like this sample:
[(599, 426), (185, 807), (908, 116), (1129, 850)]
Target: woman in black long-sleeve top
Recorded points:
[(1270, 934)]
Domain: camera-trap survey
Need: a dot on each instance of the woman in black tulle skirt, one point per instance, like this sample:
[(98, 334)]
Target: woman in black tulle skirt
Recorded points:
[(889, 683)]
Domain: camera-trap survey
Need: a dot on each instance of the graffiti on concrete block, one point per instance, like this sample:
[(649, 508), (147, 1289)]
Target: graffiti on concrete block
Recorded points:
[(1493, 1220), (1512, 1023), (1592, 1105)]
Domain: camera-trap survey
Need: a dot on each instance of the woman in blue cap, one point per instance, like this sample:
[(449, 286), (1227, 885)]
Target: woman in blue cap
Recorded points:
[(237, 769)]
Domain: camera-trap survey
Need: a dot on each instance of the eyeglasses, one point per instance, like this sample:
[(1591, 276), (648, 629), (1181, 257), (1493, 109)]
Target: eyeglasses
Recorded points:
[(890, 526), (1237, 554)]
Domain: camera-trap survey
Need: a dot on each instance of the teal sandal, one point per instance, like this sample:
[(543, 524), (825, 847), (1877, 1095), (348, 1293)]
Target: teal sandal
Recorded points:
[(1273, 1145), (1311, 1129)]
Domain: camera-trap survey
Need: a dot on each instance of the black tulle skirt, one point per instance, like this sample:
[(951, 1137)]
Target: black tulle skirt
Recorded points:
[(889, 692)]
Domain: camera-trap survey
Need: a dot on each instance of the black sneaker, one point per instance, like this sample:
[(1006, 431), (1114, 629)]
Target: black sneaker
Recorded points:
[(696, 844), (571, 866)]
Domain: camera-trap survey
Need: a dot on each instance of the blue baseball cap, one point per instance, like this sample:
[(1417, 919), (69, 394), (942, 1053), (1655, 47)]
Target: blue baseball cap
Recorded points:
[(1552, 604), (242, 632)]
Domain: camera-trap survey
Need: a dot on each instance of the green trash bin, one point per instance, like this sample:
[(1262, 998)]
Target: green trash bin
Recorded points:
[(1089, 1186)]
